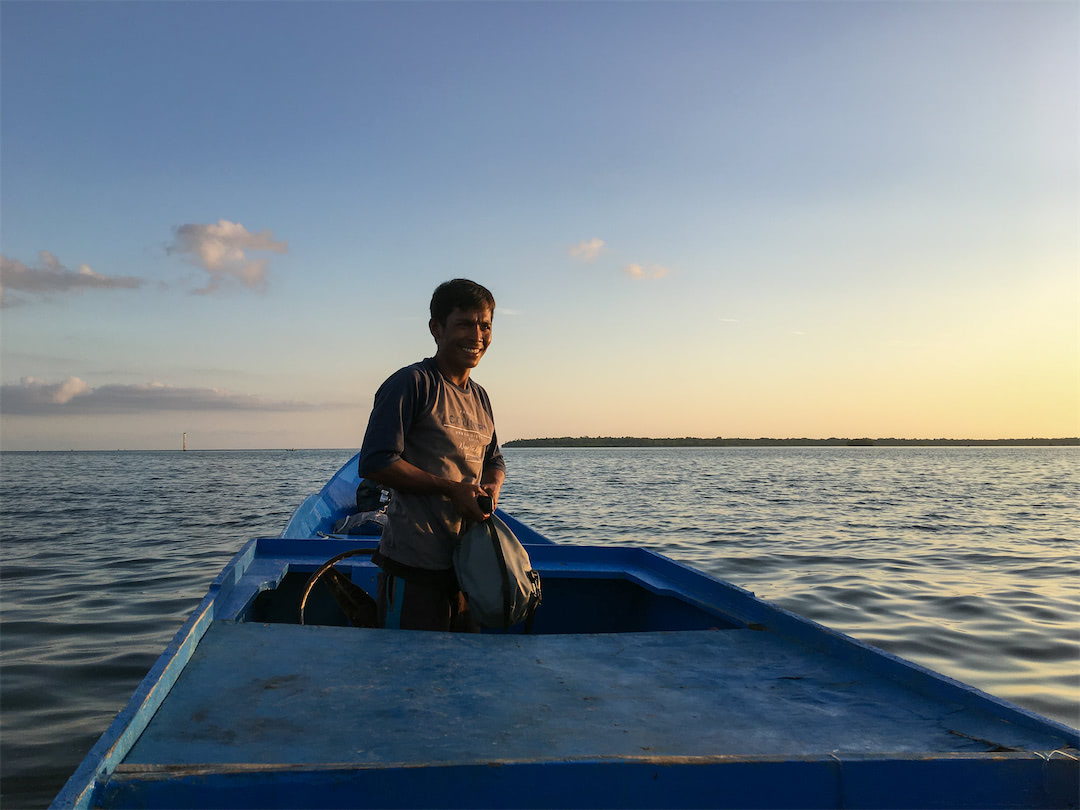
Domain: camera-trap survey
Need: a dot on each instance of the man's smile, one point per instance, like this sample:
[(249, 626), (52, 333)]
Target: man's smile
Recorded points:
[(462, 340)]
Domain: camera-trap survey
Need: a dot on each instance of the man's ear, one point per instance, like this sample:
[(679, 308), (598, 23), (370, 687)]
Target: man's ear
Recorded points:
[(435, 328)]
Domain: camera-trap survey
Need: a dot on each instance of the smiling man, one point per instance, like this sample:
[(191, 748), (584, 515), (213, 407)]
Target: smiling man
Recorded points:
[(431, 439)]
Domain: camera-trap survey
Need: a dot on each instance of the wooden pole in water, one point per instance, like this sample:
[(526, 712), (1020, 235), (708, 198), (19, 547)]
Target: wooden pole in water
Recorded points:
[(185, 442)]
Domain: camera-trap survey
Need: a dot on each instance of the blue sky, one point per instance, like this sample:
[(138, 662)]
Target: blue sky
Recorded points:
[(733, 219)]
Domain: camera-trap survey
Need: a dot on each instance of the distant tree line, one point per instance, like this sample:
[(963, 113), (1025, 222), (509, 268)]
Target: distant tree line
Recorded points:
[(636, 441)]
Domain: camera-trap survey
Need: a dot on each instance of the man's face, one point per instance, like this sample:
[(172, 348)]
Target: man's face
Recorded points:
[(463, 339)]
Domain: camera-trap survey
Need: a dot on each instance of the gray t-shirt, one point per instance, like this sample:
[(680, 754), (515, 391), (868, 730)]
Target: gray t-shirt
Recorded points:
[(442, 428)]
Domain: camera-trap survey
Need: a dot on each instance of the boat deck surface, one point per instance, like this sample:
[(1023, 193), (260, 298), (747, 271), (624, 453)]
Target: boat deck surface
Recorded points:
[(289, 694)]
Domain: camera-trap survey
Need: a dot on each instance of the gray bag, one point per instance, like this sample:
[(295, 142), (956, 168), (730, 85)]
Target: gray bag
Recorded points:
[(496, 575)]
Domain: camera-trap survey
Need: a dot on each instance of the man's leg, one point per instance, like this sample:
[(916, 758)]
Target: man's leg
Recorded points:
[(411, 605), (461, 620)]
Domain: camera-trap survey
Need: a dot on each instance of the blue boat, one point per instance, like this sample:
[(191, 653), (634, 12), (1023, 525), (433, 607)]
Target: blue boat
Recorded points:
[(644, 683)]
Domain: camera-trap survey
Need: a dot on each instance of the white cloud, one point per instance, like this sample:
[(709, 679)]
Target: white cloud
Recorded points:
[(38, 392), (588, 250), (50, 277), (222, 251), (75, 396), (653, 271)]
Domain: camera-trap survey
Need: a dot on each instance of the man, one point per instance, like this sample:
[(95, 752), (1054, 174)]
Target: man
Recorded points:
[(431, 439)]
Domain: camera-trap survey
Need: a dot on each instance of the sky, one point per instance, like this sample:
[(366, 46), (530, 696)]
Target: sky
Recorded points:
[(738, 219)]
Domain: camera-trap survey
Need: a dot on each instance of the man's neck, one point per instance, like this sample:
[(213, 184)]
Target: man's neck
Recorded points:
[(458, 377)]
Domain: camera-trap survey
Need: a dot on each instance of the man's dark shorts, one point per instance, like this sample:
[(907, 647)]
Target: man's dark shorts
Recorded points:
[(417, 599)]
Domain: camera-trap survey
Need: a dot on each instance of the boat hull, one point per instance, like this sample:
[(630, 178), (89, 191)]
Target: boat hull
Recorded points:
[(645, 684)]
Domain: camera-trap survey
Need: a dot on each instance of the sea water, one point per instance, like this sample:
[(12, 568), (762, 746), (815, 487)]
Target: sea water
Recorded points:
[(964, 559)]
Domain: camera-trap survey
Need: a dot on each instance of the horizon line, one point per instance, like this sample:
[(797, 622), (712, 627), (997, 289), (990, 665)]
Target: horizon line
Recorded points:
[(595, 441)]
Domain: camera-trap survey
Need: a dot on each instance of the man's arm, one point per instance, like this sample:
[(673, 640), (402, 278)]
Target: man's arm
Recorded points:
[(492, 483), (404, 476), (494, 473)]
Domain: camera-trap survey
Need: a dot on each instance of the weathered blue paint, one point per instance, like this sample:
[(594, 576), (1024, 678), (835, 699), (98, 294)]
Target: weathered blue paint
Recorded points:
[(294, 694), (646, 684)]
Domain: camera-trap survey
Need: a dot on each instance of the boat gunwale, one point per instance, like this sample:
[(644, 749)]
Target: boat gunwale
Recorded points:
[(827, 780), (152, 771)]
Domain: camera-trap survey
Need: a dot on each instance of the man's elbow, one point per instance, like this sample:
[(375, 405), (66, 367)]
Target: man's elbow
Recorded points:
[(375, 477), (375, 468)]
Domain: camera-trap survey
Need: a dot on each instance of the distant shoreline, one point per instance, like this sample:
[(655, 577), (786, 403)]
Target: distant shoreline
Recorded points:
[(632, 441)]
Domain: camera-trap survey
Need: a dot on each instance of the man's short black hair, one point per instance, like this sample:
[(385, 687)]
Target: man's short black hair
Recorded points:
[(460, 293)]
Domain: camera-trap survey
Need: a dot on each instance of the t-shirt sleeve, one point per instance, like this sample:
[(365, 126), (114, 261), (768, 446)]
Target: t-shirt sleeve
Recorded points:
[(493, 459), (391, 417)]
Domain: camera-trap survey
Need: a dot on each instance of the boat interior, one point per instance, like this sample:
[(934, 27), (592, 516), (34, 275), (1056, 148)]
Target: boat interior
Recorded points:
[(582, 602)]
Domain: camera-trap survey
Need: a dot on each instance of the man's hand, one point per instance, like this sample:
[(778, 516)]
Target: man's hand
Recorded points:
[(492, 483), (403, 475), (492, 491), (464, 498)]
